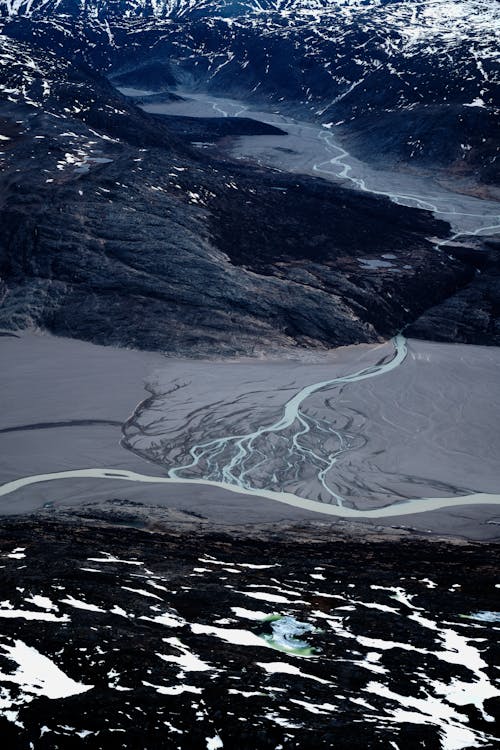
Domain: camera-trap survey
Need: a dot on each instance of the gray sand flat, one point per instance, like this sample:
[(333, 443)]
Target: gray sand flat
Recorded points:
[(47, 379), (429, 428), (432, 426)]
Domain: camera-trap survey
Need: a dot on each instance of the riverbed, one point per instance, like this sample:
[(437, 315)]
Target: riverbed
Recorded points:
[(399, 433)]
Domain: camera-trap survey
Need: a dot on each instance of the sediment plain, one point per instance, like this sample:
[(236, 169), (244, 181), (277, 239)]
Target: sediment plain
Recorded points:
[(375, 435)]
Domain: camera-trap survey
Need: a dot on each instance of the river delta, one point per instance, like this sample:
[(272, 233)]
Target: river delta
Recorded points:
[(367, 433)]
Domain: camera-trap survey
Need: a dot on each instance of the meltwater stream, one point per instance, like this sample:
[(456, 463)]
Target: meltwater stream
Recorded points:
[(325, 156), (231, 459), (230, 472), (232, 462)]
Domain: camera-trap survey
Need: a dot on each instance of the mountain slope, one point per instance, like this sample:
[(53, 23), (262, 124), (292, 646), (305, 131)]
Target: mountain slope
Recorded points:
[(343, 62), (118, 230)]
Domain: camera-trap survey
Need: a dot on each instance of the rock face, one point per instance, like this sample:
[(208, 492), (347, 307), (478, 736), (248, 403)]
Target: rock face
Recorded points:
[(473, 314), (456, 140), (161, 252)]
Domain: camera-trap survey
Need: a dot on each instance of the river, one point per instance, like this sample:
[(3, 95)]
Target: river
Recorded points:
[(234, 461), (231, 458)]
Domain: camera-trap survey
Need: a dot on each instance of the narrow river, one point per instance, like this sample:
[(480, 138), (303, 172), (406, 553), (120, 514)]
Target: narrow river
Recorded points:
[(236, 469), (315, 149)]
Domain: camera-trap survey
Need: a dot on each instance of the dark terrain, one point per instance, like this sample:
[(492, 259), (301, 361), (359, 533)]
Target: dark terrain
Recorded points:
[(100, 630), (473, 314), (400, 76), (118, 230), (164, 247), (148, 620), (215, 129)]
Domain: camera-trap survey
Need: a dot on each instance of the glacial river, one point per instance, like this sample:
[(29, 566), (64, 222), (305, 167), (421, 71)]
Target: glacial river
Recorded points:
[(316, 149), (225, 460), (237, 449)]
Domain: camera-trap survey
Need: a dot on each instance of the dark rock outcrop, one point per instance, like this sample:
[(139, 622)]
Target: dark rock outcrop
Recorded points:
[(117, 230), (166, 248), (472, 315)]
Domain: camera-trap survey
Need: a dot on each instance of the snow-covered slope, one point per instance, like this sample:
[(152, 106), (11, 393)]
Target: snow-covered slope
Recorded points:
[(412, 82), (323, 47)]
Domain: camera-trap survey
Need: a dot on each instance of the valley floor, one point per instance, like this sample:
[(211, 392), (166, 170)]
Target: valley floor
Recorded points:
[(309, 148), (292, 550), (78, 430)]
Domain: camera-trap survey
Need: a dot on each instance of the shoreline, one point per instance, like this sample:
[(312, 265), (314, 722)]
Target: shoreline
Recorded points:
[(120, 516)]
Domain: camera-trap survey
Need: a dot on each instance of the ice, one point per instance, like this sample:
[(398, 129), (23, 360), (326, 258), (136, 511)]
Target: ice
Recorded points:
[(214, 743), (116, 610), (430, 710), (10, 613), (170, 619), (231, 635), (17, 553), (280, 667), (284, 631), (187, 661), (266, 597), (282, 722), (430, 584), (142, 592), (376, 605), (108, 558), (315, 708), (244, 693), (477, 102), (174, 689), (249, 614), (484, 616), (41, 601), (397, 593)]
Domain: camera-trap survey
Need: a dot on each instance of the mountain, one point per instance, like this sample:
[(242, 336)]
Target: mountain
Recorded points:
[(358, 62), (119, 230)]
